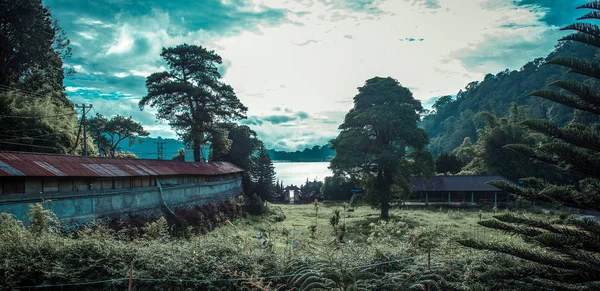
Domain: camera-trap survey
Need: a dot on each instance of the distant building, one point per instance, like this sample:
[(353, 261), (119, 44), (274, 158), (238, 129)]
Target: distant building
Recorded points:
[(457, 189), (87, 188)]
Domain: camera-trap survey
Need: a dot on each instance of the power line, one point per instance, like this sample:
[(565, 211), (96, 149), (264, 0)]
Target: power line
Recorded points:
[(166, 279), (37, 117), (29, 145)]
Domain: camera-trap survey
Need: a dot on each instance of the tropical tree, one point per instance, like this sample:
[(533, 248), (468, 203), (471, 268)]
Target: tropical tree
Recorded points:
[(190, 95), (563, 254), (263, 174), (109, 133), (376, 140)]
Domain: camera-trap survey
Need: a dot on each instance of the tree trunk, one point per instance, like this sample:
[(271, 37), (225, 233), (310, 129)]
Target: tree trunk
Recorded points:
[(385, 209), (196, 147)]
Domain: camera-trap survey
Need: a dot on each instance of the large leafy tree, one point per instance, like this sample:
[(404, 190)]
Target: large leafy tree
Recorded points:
[(377, 138), (35, 114), (564, 254), (263, 174), (235, 144), (190, 95), (448, 163), (109, 133)]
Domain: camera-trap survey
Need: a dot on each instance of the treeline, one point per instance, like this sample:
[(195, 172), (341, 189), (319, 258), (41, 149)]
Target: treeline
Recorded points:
[(317, 153), (454, 118)]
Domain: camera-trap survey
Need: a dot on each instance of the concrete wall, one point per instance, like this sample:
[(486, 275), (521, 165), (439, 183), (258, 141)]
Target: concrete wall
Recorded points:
[(79, 207)]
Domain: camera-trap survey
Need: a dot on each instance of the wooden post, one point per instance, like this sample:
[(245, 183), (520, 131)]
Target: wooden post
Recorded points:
[(472, 201), (448, 198), (428, 266), (131, 276), (426, 198), (495, 198)]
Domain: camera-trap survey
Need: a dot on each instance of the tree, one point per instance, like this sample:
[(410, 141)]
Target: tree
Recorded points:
[(337, 188), (448, 163), (109, 133), (563, 254), (376, 138), (263, 174), (235, 144), (36, 113), (190, 96), (180, 156)]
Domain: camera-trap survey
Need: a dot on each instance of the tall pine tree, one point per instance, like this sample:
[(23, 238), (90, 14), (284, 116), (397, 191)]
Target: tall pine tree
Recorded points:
[(263, 174), (564, 254)]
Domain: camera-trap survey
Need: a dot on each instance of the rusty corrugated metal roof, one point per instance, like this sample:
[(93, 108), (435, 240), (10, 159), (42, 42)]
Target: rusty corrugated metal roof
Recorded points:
[(44, 165)]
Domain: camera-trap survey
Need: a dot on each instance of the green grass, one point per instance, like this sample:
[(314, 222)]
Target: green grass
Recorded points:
[(234, 252)]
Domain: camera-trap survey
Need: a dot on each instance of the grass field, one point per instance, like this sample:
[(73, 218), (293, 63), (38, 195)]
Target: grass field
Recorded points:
[(265, 253)]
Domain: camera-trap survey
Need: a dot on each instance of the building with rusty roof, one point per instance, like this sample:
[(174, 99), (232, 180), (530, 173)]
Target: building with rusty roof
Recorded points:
[(84, 188)]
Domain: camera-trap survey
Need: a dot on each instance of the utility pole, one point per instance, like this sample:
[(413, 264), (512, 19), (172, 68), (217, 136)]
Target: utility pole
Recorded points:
[(88, 107), (160, 149)]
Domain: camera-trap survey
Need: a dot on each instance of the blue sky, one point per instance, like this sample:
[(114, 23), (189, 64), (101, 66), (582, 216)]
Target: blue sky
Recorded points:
[(297, 64)]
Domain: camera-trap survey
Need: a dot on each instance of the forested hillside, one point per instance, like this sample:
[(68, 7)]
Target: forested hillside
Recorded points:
[(315, 154), (453, 119)]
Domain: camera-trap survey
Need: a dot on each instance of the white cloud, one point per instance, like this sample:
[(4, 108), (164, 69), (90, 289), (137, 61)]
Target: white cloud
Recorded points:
[(316, 60)]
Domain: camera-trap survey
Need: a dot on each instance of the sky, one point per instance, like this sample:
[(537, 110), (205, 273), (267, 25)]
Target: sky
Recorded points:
[(297, 65)]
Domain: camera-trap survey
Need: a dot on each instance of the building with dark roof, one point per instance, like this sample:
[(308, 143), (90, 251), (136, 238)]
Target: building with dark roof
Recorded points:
[(457, 189), (87, 188)]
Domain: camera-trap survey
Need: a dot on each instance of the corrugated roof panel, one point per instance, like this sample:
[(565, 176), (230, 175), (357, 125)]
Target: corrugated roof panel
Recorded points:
[(138, 171), (115, 170), (10, 170), (50, 168), (40, 165)]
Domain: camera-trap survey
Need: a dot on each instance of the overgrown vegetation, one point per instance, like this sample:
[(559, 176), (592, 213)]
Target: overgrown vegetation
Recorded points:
[(272, 252)]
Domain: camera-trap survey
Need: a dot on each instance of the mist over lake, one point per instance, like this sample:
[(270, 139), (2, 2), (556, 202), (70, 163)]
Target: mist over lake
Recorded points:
[(297, 173)]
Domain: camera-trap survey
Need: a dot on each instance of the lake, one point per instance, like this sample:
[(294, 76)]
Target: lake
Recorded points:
[(297, 173)]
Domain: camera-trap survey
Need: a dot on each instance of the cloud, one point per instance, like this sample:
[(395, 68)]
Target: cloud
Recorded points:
[(411, 39), (307, 42), (555, 12), (289, 61)]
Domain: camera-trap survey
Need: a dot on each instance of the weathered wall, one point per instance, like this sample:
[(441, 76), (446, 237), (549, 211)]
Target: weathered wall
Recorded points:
[(82, 207)]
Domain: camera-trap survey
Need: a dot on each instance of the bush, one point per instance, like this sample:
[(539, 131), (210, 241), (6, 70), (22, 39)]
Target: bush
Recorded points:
[(255, 205)]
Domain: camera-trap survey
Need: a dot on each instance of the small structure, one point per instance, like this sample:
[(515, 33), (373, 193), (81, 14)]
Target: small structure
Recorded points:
[(457, 190), (292, 192), (87, 188)]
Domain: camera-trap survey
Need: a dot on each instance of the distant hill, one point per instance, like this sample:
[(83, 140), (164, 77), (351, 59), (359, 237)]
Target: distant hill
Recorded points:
[(317, 153), (453, 118)]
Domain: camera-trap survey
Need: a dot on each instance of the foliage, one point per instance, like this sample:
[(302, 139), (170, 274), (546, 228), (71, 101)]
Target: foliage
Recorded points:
[(561, 254), (316, 153), (236, 144), (36, 113), (232, 257), (375, 136), (448, 163), (337, 188), (190, 96), (311, 190), (42, 220), (180, 156), (39, 124), (109, 133), (453, 119), (262, 174)]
